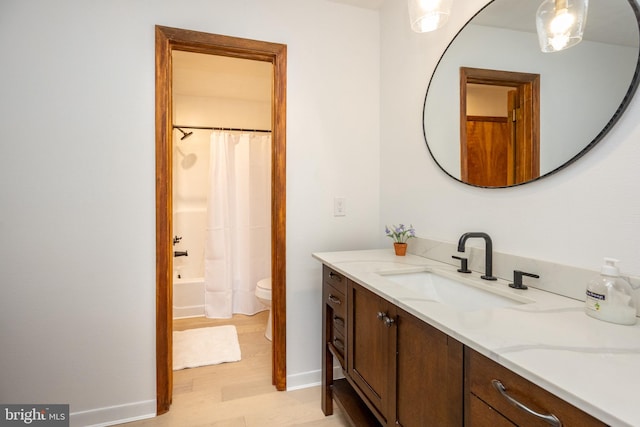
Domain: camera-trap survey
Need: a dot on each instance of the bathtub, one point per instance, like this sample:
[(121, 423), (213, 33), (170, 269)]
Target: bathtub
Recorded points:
[(188, 297), (188, 271)]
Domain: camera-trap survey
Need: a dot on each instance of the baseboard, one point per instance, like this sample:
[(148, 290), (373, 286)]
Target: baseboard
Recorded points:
[(113, 415), (310, 379)]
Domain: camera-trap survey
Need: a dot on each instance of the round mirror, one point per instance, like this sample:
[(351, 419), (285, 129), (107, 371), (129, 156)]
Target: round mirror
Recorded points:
[(499, 112)]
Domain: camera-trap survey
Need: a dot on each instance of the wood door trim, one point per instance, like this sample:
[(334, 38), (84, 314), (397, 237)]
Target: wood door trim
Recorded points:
[(167, 40), (487, 119)]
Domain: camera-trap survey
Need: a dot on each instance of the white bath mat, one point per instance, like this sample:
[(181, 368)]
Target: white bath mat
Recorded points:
[(205, 346)]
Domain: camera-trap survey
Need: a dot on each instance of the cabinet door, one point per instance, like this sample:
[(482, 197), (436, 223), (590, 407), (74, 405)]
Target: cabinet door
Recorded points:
[(370, 341), (429, 379)]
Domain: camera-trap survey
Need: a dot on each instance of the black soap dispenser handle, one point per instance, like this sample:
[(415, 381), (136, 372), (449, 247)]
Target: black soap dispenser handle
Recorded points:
[(517, 279), (464, 268)]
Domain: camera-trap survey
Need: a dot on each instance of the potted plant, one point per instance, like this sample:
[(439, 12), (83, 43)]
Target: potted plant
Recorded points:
[(400, 235)]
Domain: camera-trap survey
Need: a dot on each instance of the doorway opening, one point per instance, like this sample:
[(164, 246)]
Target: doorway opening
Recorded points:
[(499, 127), (167, 41)]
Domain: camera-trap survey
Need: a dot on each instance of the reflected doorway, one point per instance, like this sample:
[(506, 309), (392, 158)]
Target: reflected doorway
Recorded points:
[(499, 127)]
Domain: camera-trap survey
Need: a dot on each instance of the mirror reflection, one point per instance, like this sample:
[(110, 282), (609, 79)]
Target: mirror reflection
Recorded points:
[(499, 112)]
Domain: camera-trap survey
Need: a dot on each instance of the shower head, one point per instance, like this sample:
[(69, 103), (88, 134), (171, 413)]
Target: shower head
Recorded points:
[(184, 134)]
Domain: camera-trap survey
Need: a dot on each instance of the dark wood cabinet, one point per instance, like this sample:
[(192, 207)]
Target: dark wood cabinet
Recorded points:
[(334, 316), (481, 374), (429, 377), (401, 371), (370, 352), (480, 414), (335, 290)]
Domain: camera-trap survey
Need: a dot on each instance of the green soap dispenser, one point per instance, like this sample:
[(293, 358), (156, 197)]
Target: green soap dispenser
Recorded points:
[(610, 297)]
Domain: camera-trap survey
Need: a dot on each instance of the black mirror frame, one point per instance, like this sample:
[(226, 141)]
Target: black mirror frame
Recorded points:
[(610, 124)]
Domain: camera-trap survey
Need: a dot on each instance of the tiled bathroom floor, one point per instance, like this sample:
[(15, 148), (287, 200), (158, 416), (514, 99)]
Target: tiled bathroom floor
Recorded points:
[(239, 394)]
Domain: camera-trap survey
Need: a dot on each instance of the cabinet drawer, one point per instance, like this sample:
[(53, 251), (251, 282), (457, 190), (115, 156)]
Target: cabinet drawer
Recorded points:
[(334, 287), (480, 373), (479, 414), (338, 303), (338, 323), (339, 344), (335, 279)]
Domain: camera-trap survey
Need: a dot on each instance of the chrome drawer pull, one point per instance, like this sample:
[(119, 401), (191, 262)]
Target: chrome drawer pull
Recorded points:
[(550, 419), (334, 300), (335, 276)]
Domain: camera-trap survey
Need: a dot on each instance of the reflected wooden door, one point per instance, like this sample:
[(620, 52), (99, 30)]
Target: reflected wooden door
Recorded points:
[(488, 151)]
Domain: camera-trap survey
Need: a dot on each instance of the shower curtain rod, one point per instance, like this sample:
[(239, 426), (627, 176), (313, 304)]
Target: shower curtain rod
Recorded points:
[(221, 128)]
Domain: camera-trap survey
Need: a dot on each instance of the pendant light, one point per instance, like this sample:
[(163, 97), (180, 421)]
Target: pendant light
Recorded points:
[(428, 15), (560, 23)]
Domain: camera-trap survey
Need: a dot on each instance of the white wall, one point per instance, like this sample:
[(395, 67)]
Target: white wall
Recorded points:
[(77, 243), (575, 217)]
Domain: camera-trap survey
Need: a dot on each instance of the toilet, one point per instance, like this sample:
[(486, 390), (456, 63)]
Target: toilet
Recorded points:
[(263, 293)]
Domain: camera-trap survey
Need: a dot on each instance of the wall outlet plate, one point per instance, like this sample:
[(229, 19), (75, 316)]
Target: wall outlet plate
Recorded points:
[(339, 206)]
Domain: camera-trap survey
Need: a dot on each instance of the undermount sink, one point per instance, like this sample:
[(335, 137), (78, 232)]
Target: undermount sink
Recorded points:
[(462, 295)]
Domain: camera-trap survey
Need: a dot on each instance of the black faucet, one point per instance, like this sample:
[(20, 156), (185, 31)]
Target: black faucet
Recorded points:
[(464, 264), (488, 249)]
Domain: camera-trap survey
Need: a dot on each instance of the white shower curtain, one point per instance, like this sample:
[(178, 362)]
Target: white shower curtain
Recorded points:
[(238, 236)]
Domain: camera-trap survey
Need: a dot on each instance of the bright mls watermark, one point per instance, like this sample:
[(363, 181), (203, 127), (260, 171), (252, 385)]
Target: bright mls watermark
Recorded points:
[(34, 415)]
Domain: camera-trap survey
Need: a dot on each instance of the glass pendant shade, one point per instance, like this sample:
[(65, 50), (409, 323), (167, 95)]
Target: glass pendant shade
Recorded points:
[(428, 15), (560, 23)]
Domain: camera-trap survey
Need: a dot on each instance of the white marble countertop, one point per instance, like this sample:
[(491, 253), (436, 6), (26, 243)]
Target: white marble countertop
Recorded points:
[(593, 365)]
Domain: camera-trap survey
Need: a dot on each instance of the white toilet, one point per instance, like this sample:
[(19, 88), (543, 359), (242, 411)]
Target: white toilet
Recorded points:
[(263, 293)]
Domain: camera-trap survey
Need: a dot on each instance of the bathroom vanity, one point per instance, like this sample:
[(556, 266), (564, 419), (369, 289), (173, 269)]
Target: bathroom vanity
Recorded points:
[(526, 357), (364, 331)]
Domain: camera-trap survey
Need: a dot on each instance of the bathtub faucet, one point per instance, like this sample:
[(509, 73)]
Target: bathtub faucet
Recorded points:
[(180, 253), (176, 240)]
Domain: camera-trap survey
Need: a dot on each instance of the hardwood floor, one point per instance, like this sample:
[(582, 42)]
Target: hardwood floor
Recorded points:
[(239, 394)]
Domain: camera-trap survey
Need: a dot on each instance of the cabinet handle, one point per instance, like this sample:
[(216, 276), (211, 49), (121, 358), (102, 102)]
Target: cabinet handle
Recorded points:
[(335, 276), (334, 300), (388, 322), (386, 319), (549, 419), (338, 321), (338, 344)]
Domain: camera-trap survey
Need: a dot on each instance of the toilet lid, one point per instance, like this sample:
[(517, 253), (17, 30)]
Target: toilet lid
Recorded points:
[(265, 283)]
